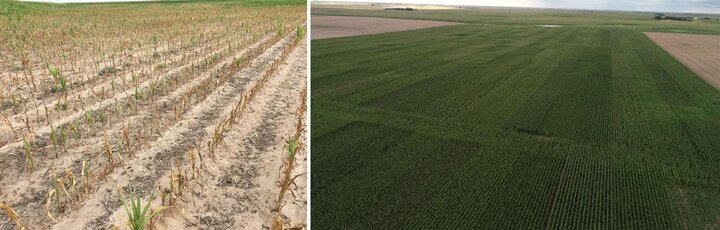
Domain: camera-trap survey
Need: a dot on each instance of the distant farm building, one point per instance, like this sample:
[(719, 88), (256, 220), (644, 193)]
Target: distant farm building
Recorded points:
[(675, 18), (403, 9)]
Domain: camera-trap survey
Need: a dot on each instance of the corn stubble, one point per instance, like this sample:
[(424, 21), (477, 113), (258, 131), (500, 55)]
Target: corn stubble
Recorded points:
[(287, 179), (67, 191), (179, 180), (10, 213), (90, 92)]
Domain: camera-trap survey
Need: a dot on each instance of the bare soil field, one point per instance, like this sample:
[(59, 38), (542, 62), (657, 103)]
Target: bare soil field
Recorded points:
[(346, 26), (200, 118), (700, 53)]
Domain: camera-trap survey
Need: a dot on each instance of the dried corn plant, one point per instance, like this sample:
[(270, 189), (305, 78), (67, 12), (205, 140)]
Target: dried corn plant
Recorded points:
[(10, 213), (292, 146)]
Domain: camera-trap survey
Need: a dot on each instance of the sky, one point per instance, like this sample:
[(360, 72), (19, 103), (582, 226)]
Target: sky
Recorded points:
[(690, 6)]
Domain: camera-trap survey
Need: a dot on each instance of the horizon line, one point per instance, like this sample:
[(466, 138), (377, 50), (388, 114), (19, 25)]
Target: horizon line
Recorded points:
[(521, 7)]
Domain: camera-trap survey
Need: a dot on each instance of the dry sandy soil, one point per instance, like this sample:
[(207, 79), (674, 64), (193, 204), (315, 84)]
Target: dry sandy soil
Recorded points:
[(700, 53), (344, 26), (169, 116)]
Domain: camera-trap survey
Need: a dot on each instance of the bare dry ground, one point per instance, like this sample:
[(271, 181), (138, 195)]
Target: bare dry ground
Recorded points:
[(236, 187), (345, 26), (193, 119), (700, 53)]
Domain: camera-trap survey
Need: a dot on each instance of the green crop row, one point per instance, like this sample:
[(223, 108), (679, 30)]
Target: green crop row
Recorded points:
[(511, 126)]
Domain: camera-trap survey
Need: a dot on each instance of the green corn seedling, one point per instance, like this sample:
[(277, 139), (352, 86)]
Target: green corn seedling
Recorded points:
[(300, 32), (292, 147), (138, 216), (63, 83), (30, 162)]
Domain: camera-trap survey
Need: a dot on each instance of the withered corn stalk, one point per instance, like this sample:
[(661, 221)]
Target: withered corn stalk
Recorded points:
[(12, 215), (241, 105), (293, 145)]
